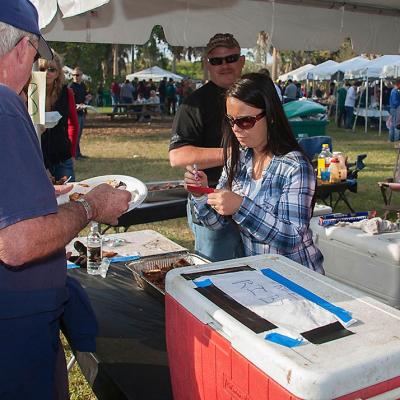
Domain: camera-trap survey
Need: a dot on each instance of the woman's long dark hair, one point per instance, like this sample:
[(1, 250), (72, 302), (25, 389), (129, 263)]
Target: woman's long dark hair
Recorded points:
[(257, 90)]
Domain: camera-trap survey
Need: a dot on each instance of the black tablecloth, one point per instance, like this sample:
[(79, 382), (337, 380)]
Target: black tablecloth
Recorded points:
[(157, 211), (131, 360)]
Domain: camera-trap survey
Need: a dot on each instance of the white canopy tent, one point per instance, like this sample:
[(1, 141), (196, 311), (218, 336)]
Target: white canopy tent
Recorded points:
[(392, 71), (374, 68), (343, 67), (322, 25), (155, 73), (381, 67), (298, 74), (319, 71)]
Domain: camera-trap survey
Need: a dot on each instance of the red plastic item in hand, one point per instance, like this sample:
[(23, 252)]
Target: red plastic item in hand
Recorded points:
[(199, 189)]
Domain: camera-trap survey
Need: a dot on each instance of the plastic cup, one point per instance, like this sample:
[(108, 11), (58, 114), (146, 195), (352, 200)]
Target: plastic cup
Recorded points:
[(325, 176)]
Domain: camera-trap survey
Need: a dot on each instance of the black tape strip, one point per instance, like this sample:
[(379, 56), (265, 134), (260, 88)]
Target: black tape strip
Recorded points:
[(245, 316), (327, 333), (195, 275)]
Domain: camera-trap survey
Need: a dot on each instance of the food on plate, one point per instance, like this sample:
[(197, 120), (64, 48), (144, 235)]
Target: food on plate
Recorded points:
[(109, 254), (156, 275), (75, 196), (116, 184), (166, 186), (83, 185)]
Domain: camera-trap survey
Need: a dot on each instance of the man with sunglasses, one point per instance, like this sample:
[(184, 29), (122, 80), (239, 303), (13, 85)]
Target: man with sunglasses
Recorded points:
[(197, 134), (34, 230)]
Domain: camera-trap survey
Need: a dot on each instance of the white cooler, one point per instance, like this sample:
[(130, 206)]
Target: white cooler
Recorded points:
[(370, 263), (321, 209), (213, 356)]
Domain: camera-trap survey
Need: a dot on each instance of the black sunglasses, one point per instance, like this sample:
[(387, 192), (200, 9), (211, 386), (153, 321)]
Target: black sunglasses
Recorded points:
[(232, 58), (37, 55), (76, 74), (246, 122), (49, 69)]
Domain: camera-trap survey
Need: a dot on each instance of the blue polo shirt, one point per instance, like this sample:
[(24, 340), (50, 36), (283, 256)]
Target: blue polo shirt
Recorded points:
[(32, 296)]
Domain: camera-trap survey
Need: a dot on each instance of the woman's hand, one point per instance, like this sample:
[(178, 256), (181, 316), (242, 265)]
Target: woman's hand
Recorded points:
[(195, 178), (224, 202)]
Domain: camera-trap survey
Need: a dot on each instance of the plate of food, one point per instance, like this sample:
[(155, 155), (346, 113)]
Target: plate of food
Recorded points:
[(137, 188)]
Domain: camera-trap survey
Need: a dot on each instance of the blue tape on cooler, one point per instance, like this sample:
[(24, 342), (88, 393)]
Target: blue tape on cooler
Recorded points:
[(71, 265), (203, 283), (283, 340), (342, 314)]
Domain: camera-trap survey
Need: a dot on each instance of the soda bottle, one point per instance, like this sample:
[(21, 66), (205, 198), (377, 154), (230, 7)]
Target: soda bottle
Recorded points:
[(94, 248), (324, 159)]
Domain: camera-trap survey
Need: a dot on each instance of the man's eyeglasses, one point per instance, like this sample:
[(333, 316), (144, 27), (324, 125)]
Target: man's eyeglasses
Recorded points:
[(232, 58), (246, 122), (37, 56), (49, 69), (76, 74)]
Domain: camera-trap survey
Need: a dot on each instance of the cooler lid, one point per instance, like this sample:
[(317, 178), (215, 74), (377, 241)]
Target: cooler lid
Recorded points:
[(327, 370), (382, 246)]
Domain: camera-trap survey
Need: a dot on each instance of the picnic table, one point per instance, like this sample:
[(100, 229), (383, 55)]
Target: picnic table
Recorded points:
[(138, 109), (130, 361)]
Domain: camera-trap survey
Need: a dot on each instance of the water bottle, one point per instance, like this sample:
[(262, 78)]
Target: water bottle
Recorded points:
[(94, 248), (324, 159)]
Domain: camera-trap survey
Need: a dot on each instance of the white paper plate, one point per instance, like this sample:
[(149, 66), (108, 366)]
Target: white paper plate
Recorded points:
[(137, 188)]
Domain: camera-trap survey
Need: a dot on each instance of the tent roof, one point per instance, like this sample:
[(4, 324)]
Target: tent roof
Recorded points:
[(327, 72), (377, 68), (298, 74), (323, 24), (155, 73), (320, 70)]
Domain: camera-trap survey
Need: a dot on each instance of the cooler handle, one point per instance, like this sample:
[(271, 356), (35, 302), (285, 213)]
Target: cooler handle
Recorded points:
[(216, 326)]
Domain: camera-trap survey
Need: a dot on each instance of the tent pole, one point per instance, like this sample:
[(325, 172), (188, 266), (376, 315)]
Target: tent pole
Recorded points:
[(380, 107), (357, 110), (366, 107), (337, 103)]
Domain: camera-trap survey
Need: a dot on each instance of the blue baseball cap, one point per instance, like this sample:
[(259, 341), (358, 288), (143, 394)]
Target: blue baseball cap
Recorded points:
[(22, 14)]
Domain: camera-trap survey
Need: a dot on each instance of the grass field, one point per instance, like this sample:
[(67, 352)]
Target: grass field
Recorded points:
[(141, 150)]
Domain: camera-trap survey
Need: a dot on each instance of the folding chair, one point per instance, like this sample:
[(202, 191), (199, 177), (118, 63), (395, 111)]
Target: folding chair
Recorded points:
[(326, 192), (312, 146), (391, 185)]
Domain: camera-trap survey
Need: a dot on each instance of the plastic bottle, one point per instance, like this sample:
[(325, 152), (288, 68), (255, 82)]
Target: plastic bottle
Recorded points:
[(342, 164), (324, 159), (334, 170), (94, 248)]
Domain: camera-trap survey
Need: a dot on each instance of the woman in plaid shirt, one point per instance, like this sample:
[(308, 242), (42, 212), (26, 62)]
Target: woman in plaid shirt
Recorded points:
[(267, 186)]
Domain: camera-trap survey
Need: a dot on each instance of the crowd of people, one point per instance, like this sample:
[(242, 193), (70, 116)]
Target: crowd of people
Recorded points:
[(168, 93)]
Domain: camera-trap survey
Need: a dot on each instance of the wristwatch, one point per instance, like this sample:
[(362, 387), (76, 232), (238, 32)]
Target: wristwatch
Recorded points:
[(87, 207)]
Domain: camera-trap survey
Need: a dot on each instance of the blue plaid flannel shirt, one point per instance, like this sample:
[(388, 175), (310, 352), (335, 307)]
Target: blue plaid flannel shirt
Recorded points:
[(276, 221)]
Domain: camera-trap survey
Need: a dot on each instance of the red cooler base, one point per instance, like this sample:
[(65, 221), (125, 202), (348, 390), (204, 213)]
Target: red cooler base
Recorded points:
[(204, 366)]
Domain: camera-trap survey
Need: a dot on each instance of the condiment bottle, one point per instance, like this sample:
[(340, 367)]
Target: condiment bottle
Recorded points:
[(334, 171)]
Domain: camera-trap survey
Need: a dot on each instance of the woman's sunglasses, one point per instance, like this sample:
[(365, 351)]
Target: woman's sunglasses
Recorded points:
[(49, 69), (232, 58), (244, 122)]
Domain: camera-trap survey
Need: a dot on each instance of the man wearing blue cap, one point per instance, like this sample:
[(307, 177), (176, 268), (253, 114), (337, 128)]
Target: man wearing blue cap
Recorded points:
[(33, 229)]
